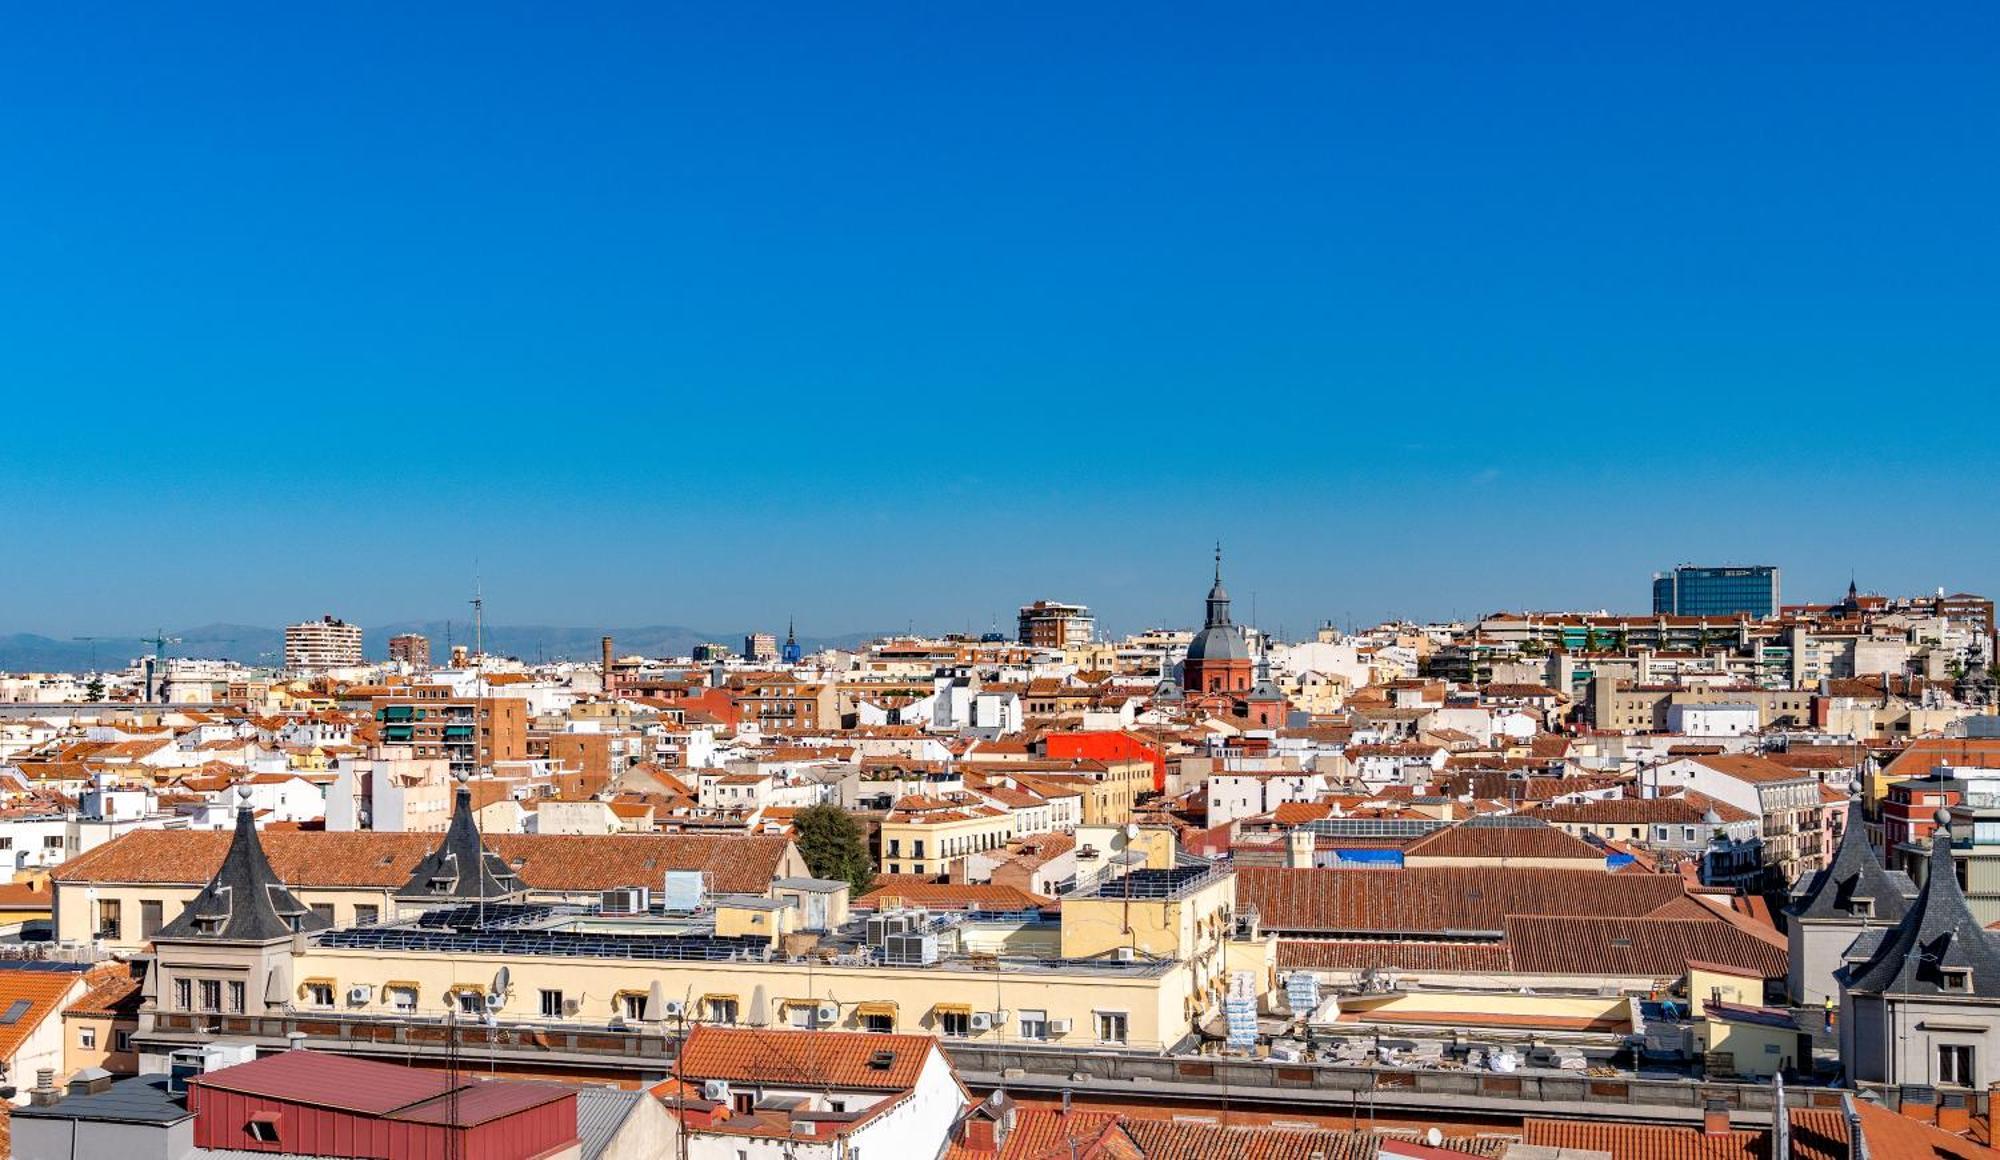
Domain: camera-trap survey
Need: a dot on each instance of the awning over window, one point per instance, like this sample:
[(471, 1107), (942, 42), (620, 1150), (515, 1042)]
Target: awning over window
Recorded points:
[(400, 984), (718, 998), (884, 1009), (788, 1003), (952, 1009)]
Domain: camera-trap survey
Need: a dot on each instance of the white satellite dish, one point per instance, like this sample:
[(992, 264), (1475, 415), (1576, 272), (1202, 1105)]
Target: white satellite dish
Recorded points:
[(501, 978), (1131, 831)]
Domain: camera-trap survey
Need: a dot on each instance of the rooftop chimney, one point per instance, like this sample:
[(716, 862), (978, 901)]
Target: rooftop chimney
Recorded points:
[(44, 1092), (1715, 1118), (606, 674)]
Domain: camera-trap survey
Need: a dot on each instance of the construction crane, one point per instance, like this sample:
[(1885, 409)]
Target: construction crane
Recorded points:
[(157, 663), (93, 647)]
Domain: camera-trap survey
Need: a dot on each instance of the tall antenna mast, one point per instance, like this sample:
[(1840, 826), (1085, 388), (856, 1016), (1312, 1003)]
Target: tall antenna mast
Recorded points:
[(478, 603)]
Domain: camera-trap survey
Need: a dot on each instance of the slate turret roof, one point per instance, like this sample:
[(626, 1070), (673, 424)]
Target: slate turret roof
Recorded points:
[(1856, 873), (245, 901), (461, 869), (1936, 940)]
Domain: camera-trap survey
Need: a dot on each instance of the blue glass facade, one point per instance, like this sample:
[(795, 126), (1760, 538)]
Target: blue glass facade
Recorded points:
[(1692, 591)]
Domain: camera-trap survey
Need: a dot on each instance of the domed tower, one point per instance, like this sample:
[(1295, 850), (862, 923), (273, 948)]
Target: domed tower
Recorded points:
[(1218, 660)]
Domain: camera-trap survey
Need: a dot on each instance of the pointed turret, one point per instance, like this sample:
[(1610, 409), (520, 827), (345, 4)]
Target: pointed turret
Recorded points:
[(1855, 885), (1938, 947), (1218, 596), (245, 902), (461, 869)]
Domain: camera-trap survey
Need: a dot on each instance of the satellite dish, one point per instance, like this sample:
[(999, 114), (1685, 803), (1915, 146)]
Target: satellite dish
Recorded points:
[(501, 978), (1131, 831)]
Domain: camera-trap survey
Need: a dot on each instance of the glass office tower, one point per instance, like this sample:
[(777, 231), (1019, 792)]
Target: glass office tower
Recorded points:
[(1690, 591)]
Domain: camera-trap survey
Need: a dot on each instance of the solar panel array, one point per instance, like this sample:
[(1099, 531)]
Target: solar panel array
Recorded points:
[(491, 916), (1374, 827), (564, 943), (1153, 883)]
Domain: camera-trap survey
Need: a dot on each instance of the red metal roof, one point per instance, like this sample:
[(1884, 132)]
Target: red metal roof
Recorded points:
[(332, 1081)]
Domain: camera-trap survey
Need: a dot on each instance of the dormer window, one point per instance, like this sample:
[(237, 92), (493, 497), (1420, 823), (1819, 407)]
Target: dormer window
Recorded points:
[(1861, 907), (1957, 979)]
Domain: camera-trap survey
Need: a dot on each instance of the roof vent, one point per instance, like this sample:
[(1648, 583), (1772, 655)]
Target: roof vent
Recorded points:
[(881, 1061)]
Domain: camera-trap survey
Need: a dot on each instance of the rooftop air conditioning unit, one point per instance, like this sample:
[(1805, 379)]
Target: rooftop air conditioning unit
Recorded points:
[(826, 1014), (715, 1090), (1059, 1026), (673, 1008), (359, 996), (572, 1006), (982, 1021), (625, 900), (910, 950)]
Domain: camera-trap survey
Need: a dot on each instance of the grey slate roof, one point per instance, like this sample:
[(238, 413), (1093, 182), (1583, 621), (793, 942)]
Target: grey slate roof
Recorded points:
[(1937, 935), (1854, 873), (1219, 640), (245, 901), (461, 869), (139, 1099)]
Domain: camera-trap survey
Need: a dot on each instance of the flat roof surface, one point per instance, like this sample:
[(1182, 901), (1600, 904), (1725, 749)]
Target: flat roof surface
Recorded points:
[(139, 1099)]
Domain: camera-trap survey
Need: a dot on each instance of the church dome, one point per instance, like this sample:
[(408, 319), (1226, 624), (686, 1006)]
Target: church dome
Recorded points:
[(1219, 642)]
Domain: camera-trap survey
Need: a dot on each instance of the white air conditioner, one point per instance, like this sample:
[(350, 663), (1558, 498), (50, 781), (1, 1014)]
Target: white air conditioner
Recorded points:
[(715, 1090), (673, 1008), (827, 1013), (495, 1000), (1126, 954), (572, 1006), (982, 1021), (1000, 1018), (359, 996), (1059, 1026)]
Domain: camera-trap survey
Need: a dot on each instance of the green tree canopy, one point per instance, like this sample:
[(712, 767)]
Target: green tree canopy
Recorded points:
[(831, 842)]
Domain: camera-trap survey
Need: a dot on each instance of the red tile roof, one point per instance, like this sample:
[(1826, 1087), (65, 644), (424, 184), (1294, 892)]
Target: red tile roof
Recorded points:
[(736, 863), (838, 1059), (1438, 899)]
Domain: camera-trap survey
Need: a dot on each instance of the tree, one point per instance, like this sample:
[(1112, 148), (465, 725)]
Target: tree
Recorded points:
[(831, 842)]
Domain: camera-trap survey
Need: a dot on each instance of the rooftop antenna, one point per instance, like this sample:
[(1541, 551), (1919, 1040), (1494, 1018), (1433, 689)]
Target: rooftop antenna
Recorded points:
[(478, 603)]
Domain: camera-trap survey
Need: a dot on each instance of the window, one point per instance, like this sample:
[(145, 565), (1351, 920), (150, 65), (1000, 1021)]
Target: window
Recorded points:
[(323, 910), (879, 1024), (1034, 1024), (917, 848), (109, 920), (211, 994), (52, 842), (955, 1023), (1957, 979), (472, 1002), (721, 1010), (1687, 833), (236, 996), (1955, 1064), (402, 999), (319, 994), (121, 1041), (86, 1037), (552, 1004), (633, 1005), (1111, 1026), (151, 917), (366, 915), (263, 1127), (184, 994)]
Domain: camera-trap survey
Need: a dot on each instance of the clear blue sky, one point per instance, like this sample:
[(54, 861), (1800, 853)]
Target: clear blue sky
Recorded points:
[(878, 314)]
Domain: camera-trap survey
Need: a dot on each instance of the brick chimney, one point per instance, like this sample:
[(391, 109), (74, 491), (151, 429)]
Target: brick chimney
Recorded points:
[(1954, 1112), (606, 643), (979, 1136), (1715, 1118)]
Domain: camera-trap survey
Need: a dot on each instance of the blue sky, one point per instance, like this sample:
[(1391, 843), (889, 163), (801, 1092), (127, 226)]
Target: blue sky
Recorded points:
[(880, 314)]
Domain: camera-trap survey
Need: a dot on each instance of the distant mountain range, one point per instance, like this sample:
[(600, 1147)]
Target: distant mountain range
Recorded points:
[(256, 645)]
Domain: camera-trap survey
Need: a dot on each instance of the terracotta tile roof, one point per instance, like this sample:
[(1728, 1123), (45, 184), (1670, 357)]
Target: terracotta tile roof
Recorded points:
[(788, 1058), (734, 863), (915, 890), (1635, 946), (114, 992), (1443, 898), (1047, 1134), (1413, 955), (1751, 768), (1513, 836), (42, 991), (1644, 1141), (1681, 809)]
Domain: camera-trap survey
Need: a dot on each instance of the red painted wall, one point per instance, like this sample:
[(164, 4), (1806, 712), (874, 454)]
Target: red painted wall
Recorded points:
[(1107, 745)]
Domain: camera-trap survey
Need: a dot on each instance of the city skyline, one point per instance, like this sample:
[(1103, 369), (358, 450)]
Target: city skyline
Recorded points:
[(756, 313)]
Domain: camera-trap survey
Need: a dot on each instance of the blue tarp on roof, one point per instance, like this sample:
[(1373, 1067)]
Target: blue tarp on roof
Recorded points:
[(1370, 857)]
